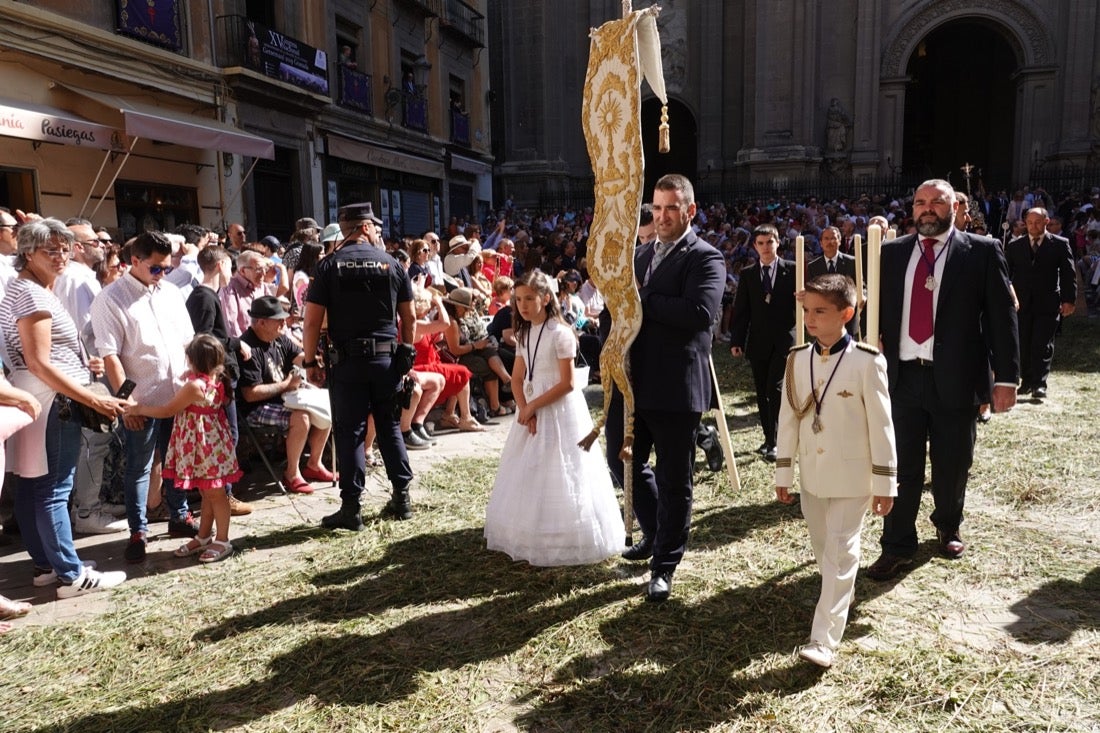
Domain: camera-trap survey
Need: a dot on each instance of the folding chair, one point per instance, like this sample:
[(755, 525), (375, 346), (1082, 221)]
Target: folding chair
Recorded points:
[(265, 433)]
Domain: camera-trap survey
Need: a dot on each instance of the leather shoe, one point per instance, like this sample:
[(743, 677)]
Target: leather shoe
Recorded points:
[(887, 566), (640, 550), (951, 545), (345, 518), (711, 444), (771, 454), (763, 448), (1023, 389), (660, 585), (1040, 393)]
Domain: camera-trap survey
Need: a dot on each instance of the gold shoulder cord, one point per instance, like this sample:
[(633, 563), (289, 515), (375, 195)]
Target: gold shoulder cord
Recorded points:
[(788, 380)]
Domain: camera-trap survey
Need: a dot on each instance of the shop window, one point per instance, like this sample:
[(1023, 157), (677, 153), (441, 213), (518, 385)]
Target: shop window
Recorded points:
[(144, 207)]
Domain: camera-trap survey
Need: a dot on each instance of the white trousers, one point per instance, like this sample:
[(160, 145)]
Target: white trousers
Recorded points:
[(834, 526)]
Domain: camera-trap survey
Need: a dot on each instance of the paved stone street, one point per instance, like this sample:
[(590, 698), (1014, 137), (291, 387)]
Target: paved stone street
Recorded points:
[(273, 512)]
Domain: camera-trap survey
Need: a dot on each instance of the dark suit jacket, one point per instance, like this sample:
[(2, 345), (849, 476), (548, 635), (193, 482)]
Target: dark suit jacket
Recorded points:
[(1047, 281), (670, 358), (845, 265), (760, 328), (975, 324)]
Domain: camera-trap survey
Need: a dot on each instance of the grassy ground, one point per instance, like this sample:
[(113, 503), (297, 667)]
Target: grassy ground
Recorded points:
[(415, 626)]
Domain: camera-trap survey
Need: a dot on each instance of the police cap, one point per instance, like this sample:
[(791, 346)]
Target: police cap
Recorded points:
[(359, 212)]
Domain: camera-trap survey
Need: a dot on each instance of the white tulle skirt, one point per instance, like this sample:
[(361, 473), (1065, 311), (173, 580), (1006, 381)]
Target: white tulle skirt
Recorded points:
[(553, 503)]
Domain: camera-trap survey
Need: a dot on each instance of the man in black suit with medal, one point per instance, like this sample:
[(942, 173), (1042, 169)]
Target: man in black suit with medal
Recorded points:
[(763, 327), (947, 316), (1041, 268), (832, 260), (681, 283)]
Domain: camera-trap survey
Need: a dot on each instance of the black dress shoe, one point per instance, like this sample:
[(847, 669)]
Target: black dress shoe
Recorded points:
[(763, 448), (641, 550), (710, 442), (771, 454), (660, 585), (1023, 389), (887, 566), (951, 545), (344, 519), (1040, 393)]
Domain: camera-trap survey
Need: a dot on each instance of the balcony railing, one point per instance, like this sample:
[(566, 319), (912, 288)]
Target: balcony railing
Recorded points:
[(415, 115), (355, 90), (240, 41), (460, 128), (465, 20), (432, 8)]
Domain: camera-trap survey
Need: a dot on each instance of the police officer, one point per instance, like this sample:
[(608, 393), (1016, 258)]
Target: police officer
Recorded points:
[(363, 290)]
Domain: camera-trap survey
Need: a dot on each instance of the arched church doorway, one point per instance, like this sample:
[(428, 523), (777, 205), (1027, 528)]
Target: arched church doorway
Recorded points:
[(683, 152), (960, 104)]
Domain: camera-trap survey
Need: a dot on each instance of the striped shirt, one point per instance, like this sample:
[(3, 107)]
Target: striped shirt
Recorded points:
[(24, 298)]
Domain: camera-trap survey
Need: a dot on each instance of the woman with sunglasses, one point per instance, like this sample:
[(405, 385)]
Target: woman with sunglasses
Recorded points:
[(419, 252), (43, 350)]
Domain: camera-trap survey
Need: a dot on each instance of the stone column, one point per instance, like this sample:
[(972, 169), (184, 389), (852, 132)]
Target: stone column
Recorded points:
[(1035, 98), (891, 122)]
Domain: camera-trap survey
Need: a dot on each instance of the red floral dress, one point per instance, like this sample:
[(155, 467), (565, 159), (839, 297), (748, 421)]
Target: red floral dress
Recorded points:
[(201, 454)]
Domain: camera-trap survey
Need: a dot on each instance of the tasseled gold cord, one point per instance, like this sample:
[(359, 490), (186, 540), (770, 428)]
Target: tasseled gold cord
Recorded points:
[(663, 145)]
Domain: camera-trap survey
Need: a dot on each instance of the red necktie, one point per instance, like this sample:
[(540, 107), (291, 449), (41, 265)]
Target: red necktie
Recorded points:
[(920, 299)]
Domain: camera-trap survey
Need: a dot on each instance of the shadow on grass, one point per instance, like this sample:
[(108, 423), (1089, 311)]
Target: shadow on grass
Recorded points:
[(1052, 612), (375, 669)]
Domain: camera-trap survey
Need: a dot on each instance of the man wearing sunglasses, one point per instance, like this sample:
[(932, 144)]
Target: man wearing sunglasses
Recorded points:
[(141, 329)]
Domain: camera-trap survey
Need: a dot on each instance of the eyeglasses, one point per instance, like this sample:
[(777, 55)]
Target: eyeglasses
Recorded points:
[(58, 253), (423, 251), (91, 243), (117, 266), (160, 270)]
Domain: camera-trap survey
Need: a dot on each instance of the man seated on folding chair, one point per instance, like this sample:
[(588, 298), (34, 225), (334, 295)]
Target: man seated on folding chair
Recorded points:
[(274, 393)]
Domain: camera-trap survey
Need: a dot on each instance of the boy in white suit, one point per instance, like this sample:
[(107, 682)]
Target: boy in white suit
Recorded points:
[(843, 436)]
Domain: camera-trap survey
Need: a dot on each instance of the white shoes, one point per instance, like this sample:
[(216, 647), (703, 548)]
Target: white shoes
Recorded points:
[(91, 581), (42, 578), (98, 522), (817, 653)]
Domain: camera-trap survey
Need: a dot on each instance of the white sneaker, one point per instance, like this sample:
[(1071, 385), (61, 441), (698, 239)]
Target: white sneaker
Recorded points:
[(115, 510), (91, 581), (817, 653), (98, 522), (43, 578)]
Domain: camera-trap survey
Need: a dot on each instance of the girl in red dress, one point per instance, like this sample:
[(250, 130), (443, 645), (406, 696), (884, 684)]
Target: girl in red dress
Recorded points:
[(200, 452)]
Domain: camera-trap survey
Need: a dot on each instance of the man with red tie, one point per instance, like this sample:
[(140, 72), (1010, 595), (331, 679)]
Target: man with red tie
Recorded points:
[(947, 315)]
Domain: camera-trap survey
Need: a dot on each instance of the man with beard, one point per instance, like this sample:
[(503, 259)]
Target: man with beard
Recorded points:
[(947, 316)]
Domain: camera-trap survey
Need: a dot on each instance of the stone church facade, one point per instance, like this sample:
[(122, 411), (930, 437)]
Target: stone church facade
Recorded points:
[(791, 90)]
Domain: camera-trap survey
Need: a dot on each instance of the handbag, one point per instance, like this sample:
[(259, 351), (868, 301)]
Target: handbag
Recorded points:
[(92, 419)]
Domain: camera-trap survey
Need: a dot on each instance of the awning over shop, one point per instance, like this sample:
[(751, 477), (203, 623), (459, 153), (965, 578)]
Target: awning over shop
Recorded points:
[(342, 147), (40, 123), (469, 165), (169, 126)]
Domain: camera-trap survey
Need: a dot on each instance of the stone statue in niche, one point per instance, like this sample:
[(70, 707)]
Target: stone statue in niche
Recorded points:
[(838, 125)]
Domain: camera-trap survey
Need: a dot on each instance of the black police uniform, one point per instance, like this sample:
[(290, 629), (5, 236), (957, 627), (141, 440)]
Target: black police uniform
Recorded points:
[(360, 287)]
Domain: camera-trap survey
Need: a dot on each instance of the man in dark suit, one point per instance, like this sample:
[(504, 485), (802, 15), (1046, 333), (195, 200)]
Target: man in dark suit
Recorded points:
[(832, 260), (1041, 268), (682, 278), (763, 327), (947, 316)]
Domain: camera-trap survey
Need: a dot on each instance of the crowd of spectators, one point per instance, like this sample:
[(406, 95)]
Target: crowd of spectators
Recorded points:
[(465, 347)]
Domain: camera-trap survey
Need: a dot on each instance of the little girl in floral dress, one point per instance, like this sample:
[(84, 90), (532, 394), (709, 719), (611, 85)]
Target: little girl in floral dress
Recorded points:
[(200, 451)]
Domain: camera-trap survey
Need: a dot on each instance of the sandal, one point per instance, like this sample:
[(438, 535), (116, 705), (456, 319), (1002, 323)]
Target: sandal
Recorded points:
[(186, 550), (217, 551), (470, 425), (13, 609), (451, 422), (501, 411)]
